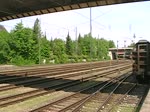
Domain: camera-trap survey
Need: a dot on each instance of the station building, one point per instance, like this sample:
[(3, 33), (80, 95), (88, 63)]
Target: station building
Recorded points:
[(120, 53)]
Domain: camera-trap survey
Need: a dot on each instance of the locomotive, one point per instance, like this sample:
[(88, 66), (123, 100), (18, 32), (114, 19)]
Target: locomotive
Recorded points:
[(141, 57)]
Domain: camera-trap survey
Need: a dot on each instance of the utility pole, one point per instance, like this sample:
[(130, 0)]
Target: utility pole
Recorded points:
[(134, 36), (91, 37), (98, 47), (117, 50), (91, 32), (91, 21), (39, 42), (76, 40), (39, 49), (124, 48), (124, 43)]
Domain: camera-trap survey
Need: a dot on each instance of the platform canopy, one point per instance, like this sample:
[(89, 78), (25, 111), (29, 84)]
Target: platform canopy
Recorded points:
[(13, 9)]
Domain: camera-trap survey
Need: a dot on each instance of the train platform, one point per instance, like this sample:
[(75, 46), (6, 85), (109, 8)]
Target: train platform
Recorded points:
[(146, 105)]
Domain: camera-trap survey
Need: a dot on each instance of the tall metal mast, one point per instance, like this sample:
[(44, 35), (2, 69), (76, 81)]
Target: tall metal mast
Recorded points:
[(91, 21)]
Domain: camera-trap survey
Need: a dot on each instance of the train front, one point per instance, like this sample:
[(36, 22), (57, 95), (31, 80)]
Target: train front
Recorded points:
[(141, 57)]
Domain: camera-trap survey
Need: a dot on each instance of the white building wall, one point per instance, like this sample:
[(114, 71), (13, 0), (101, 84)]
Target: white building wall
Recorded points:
[(110, 55)]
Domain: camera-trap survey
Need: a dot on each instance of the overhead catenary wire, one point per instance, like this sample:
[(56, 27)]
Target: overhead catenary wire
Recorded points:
[(97, 24), (32, 19), (89, 18)]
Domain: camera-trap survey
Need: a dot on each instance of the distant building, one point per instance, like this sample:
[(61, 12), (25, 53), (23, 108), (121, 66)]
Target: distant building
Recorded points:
[(120, 53), (2, 28)]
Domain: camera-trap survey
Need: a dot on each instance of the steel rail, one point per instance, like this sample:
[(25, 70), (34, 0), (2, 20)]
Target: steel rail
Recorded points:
[(119, 100), (41, 80), (41, 108), (77, 108), (53, 68), (57, 87)]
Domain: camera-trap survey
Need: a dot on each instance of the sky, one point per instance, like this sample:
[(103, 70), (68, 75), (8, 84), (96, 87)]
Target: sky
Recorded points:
[(112, 22)]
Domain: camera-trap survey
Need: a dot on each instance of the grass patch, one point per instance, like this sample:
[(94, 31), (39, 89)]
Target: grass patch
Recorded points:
[(28, 105)]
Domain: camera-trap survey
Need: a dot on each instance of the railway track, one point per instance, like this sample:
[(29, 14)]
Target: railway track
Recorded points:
[(55, 89), (51, 88), (28, 81), (129, 102), (101, 89), (105, 99), (69, 102), (120, 97), (60, 69), (48, 74)]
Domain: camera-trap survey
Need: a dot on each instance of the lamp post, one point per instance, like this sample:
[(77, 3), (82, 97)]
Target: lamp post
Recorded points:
[(91, 21), (117, 50), (124, 48), (39, 45), (91, 38), (91, 33), (76, 40)]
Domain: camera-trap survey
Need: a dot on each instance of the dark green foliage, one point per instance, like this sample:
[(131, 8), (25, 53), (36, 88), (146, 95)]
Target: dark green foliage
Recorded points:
[(36, 30), (27, 46), (37, 40), (4, 47), (22, 45), (79, 47), (103, 47), (69, 45), (132, 44), (59, 51), (45, 48), (111, 44)]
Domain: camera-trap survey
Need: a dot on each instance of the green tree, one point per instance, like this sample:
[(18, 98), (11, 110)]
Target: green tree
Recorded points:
[(103, 48), (94, 48), (22, 45), (111, 44), (4, 47), (69, 45), (37, 38), (132, 45), (79, 50), (86, 45), (59, 51), (37, 30), (45, 49)]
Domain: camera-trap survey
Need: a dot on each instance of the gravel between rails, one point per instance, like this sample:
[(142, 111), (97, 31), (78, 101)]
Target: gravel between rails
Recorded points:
[(49, 94)]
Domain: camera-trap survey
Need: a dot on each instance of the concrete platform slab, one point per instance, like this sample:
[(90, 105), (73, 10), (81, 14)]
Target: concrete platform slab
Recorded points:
[(146, 105)]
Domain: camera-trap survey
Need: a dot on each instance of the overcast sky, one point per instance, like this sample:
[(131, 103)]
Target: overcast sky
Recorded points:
[(113, 22)]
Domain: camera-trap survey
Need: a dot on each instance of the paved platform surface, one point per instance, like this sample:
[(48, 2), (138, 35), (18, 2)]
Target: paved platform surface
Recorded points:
[(146, 105)]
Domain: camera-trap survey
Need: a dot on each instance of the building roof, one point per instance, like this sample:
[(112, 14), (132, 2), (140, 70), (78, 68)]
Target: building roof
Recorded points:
[(142, 41), (12, 9), (126, 48)]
